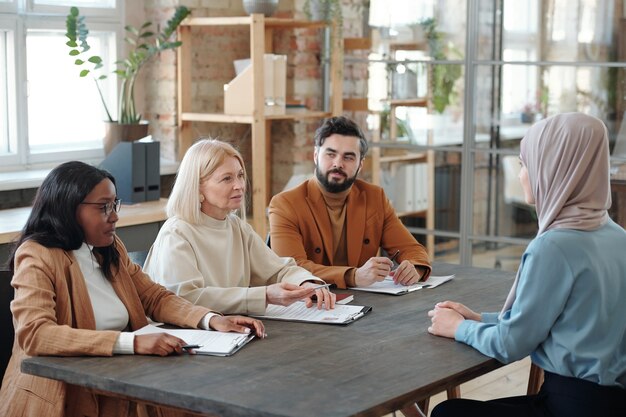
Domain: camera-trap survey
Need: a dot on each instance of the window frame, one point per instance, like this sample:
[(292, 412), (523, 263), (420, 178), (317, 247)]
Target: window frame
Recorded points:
[(18, 24), (10, 25)]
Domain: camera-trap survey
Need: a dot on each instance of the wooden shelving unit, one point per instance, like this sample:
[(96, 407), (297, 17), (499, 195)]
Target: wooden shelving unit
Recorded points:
[(261, 34), (380, 158)]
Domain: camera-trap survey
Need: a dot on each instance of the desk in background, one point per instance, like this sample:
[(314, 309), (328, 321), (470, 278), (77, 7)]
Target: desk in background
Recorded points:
[(138, 225), (368, 368)]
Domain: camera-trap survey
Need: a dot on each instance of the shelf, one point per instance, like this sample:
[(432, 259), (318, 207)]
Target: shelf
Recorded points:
[(298, 116), (355, 104), (270, 23), (411, 102), (216, 118), (421, 213), (411, 157), (353, 44), (244, 119), (261, 31)]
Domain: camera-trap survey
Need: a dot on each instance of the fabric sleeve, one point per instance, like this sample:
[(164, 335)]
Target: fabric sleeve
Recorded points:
[(125, 344), (184, 278), (544, 286), (34, 310)]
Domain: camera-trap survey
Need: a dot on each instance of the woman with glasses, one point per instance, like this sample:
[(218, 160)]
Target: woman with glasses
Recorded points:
[(220, 260), (567, 307), (78, 294)]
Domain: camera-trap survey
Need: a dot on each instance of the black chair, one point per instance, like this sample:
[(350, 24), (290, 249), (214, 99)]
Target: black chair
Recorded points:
[(6, 320)]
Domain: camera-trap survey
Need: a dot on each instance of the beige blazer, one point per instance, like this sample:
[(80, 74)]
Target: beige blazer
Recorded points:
[(52, 315), (300, 227)]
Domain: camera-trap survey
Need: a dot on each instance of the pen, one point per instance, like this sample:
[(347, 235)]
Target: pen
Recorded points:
[(395, 255), (317, 287), (187, 347)]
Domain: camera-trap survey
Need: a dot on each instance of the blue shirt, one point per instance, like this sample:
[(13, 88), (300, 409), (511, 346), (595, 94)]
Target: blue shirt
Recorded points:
[(570, 308)]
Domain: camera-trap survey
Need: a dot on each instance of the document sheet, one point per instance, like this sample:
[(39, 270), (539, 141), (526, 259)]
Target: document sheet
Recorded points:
[(298, 311), (211, 342), (387, 286)]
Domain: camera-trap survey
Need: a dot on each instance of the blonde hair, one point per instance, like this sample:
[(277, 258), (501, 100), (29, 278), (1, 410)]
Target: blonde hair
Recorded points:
[(199, 162)]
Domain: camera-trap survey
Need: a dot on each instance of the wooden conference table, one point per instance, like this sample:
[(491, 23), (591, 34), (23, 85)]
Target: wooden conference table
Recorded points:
[(368, 368)]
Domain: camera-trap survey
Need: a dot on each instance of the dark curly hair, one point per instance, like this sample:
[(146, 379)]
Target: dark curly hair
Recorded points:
[(342, 126)]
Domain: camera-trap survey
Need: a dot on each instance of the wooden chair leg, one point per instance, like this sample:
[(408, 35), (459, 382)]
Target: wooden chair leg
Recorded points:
[(454, 392), (535, 379), (423, 405)]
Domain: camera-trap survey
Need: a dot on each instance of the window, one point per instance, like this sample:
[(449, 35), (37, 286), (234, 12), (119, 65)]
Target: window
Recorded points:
[(7, 90), (48, 114)]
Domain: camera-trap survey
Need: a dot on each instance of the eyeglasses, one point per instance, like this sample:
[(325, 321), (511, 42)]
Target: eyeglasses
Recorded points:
[(110, 207)]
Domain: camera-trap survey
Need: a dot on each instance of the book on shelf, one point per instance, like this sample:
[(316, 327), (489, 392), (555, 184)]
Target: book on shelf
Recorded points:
[(210, 342), (387, 286)]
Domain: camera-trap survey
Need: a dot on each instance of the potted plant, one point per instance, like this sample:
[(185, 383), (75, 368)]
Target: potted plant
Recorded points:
[(442, 77), (144, 45)]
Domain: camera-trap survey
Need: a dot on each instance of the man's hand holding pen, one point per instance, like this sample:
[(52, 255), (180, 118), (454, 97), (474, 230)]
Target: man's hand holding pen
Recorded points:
[(374, 270), (405, 272)]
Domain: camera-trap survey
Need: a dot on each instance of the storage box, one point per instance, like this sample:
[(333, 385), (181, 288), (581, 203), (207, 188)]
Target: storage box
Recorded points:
[(238, 93)]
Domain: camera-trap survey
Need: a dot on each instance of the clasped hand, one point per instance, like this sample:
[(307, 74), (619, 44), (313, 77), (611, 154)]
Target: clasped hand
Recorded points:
[(447, 316), (285, 294)]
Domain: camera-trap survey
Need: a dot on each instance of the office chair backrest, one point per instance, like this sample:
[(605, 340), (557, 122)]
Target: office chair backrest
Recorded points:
[(6, 320)]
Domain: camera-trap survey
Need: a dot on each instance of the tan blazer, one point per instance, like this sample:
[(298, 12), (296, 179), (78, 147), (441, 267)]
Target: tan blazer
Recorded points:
[(300, 227), (52, 315)]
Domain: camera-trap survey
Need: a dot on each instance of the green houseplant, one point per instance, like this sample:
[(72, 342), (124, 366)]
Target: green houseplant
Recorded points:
[(443, 76), (144, 44)]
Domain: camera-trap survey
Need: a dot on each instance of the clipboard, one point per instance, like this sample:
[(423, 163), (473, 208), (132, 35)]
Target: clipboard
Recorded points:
[(342, 314), (387, 285), (211, 342)]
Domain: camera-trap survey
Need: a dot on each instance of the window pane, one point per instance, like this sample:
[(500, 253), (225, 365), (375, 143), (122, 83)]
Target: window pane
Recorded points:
[(549, 30), (64, 111), (497, 255), (5, 122)]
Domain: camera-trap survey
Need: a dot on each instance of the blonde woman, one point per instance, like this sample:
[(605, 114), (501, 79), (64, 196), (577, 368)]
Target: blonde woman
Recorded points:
[(209, 255)]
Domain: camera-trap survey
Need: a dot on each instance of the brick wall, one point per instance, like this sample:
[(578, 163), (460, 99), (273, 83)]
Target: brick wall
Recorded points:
[(215, 49)]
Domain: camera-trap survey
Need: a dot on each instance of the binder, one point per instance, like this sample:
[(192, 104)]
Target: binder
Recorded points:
[(136, 168), (153, 170)]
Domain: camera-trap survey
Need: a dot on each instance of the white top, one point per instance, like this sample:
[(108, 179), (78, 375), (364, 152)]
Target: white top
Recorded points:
[(109, 311), (220, 264)]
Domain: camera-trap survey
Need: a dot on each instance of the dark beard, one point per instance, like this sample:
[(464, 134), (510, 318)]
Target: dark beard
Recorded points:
[(334, 187)]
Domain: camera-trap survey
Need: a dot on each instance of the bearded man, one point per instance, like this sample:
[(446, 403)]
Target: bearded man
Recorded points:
[(335, 224)]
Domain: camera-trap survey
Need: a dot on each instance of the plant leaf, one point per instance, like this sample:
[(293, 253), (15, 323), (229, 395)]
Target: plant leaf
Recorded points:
[(95, 59), (74, 52), (79, 62), (132, 30), (84, 73)]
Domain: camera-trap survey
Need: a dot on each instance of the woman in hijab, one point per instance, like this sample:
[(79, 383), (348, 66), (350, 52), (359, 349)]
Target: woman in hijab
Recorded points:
[(566, 308)]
